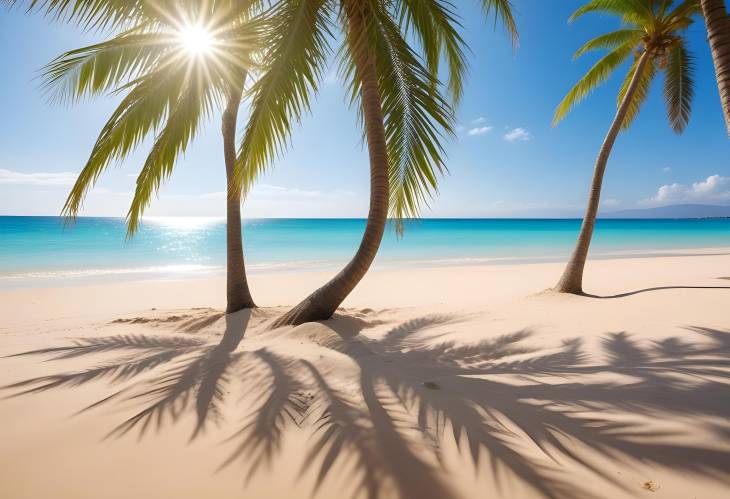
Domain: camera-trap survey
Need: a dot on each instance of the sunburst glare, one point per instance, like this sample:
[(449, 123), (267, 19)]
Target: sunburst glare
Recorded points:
[(196, 40)]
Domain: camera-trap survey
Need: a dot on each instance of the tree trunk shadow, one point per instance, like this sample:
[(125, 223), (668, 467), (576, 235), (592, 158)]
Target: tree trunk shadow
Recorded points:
[(647, 290)]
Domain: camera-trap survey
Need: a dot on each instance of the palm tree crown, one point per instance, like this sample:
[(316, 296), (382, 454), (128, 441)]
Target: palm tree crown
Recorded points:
[(654, 32), (403, 108), (652, 27), (300, 38), (401, 102), (416, 111), (174, 63)]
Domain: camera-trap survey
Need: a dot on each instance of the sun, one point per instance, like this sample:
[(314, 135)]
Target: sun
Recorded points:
[(196, 40)]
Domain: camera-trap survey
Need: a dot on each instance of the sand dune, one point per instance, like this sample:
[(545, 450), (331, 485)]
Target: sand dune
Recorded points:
[(453, 382)]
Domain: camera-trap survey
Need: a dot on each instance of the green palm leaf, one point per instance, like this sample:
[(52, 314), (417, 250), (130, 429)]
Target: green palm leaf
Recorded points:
[(679, 85), (611, 41), (91, 14), (595, 76), (116, 14), (293, 68), (641, 93), (98, 68), (416, 119), (139, 113), (167, 91), (194, 104), (503, 11), (437, 26), (638, 12), (656, 29), (681, 14)]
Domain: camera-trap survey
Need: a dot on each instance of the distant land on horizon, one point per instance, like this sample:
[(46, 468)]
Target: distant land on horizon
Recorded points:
[(673, 211)]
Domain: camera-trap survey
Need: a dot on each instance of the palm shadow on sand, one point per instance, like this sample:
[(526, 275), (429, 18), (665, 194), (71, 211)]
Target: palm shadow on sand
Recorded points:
[(414, 396)]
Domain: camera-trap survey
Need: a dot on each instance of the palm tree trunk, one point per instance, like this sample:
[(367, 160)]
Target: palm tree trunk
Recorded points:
[(238, 295), (572, 278), (718, 33), (321, 304)]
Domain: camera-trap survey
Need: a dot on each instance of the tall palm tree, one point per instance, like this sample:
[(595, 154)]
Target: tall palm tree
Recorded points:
[(175, 62), (717, 21), (654, 33), (398, 96)]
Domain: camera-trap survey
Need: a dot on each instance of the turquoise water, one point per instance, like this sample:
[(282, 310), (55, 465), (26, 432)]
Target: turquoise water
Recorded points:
[(34, 249)]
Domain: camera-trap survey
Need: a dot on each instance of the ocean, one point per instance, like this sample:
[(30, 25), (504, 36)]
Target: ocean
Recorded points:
[(47, 251)]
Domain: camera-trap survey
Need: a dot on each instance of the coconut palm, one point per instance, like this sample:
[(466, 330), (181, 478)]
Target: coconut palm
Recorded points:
[(653, 32), (718, 33), (175, 63), (394, 86)]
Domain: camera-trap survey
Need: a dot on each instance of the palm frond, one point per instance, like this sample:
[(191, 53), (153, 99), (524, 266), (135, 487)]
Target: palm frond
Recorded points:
[(594, 77), (416, 116), (162, 85), (683, 12), (98, 68), (679, 85), (437, 26), (139, 113), (115, 14), (656, 30), (663, 6), (90, 14), (194, 104), (503, 10), (416, 120), (631, 11), (610, 41), (293, 68), (641, 92), (240, 45)]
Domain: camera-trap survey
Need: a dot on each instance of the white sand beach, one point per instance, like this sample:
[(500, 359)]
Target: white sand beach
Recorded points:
[(432, 383), (379, 249)]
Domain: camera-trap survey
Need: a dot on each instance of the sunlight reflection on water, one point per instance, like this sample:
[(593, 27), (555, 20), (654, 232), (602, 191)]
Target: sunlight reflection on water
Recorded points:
[(184, 223)]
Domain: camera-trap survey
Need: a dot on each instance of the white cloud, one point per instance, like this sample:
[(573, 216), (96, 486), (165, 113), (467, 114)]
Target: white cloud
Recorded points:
[(10, 177), (480, 130), (268, 190), (609, 202), (109, 192), (714, 189), (517, 134), (277, 201), (480, 119), (264, 201), (667, 169)]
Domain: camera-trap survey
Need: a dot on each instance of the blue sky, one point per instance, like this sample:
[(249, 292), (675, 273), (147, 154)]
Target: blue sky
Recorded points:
[(506, 161)]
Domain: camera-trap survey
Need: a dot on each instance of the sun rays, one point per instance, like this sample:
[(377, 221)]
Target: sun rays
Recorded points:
[(196, 40)]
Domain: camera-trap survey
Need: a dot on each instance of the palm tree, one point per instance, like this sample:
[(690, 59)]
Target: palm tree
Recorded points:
[(653, 32), (398, 96), (175, 63), (718, 33)]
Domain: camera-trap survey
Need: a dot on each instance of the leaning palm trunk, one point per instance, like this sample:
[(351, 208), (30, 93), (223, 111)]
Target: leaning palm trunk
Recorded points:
[(321, 304), (238, 295), (572, 278), (718, 33)]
